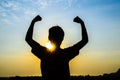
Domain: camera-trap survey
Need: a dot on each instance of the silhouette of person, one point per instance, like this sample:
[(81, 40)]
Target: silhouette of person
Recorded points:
[(55, 64)]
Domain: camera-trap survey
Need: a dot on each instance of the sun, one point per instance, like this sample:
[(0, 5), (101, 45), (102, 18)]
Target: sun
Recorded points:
[(50, 46)]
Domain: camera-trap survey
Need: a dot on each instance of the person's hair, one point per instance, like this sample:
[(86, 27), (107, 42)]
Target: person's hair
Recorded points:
[(56, 33)]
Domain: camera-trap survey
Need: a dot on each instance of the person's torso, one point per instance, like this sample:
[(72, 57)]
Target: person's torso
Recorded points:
[(55, 65)]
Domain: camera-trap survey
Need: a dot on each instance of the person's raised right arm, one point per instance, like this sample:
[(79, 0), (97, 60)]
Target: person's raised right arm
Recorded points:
[(29, 34), (36, 47)]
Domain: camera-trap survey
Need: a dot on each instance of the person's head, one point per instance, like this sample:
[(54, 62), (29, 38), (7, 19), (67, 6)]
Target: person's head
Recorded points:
[(56, 35)]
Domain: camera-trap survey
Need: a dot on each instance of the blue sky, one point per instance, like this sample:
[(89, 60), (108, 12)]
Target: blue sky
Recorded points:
[(102, 20)]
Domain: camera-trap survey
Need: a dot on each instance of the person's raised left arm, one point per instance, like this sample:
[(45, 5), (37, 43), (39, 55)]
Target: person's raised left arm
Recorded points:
[(84, 40)]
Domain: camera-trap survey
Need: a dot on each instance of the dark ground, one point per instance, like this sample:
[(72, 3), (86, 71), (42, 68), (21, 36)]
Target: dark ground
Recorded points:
[(111, 76)]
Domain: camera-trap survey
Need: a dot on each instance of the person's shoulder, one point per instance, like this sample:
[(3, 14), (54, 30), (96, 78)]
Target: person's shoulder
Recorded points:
[(70, 47), (39, 48), (67, 49)]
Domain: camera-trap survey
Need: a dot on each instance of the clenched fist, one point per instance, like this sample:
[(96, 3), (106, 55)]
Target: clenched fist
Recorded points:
[(37, 18), (77, 20)]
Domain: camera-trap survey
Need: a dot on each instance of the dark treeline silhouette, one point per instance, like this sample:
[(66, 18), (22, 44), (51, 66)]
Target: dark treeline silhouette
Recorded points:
[(111, 76)]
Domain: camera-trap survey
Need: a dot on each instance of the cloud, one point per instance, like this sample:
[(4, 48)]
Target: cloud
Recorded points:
[(11, 11), (54, 3), (29, 12), (70, 2), (14, 8), (40, 3), (14, 5), (8, 8), (6, 21)]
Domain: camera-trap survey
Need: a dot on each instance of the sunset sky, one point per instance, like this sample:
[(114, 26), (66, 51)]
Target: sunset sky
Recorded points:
[(102, 19)]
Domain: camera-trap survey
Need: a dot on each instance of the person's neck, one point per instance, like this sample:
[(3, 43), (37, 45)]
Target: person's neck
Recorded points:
[(57, 47)]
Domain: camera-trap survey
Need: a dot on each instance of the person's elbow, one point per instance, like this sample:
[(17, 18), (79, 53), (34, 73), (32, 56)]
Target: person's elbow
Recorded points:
[(27, 39), (85, 41)]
